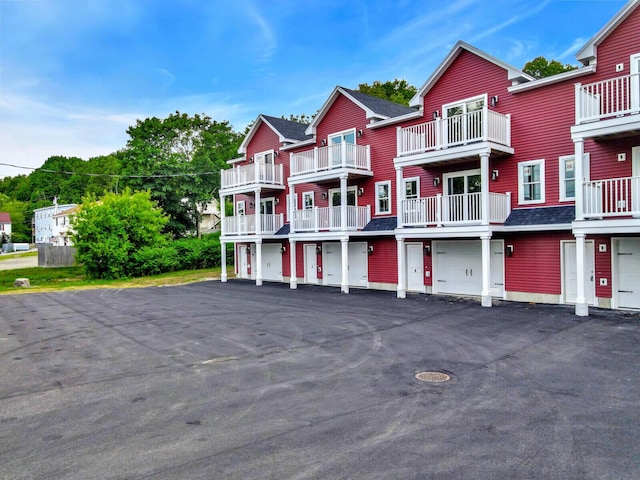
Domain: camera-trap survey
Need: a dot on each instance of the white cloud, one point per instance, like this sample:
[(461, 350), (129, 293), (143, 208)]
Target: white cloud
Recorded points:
[(577, 43)]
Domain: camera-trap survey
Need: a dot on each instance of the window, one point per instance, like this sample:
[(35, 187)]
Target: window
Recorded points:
[(240, 208), (292, 204), (348, 136), (383, 198), (411, 188), (307, 200), (264, 157), (531, 182), (567, 178)]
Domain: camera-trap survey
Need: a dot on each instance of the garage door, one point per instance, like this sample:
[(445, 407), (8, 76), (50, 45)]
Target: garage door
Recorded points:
[(271, 262), (458, 267), (627, 267), (358, 266)]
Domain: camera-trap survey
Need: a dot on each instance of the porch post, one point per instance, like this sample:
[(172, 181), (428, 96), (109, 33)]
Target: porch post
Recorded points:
[(292, 208), (344, 283), (402, 268), (486, 270), (293, 280), (582, 309), (399, 197), (578, 163), (256, 211), (258, 265), (223, 246), (484, 189), (343, 203)]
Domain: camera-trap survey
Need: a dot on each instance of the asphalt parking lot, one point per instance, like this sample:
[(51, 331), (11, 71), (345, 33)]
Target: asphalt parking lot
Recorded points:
[(233, 381)]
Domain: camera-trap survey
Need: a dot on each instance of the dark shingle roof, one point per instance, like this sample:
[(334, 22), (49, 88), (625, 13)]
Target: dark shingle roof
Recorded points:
[(284, 230), (288, 129), (381, 224), (380, 106), (541, 216)]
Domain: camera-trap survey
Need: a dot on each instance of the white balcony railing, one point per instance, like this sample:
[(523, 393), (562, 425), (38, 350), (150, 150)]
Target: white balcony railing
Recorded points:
[(608, 98), (330, 218), (340, 155), (480, 126), (255, 173), (614, 197), (454, 209), (246, 224)]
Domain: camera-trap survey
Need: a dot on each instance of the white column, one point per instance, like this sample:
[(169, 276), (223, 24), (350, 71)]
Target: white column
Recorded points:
[(223, 262), (484, 189), (258, 265), (399, 195), (402, 268), (292, 206), (256, 212), (344, 282), (293, 280), (582, 309), (579, 177), (343, 203), (486, 270)]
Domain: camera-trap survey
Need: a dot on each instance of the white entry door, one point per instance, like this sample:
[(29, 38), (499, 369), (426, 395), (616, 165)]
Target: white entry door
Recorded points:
[(627, 272), (310, 264), (331, 263), (243, 259), (570, 276), (358, 264), (635, 182), (415, 267), (271, 262)]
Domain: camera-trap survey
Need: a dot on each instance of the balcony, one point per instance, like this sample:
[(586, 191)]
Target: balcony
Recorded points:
[(248, 177), (329, 162), (443, 133), (614, 197), (608, 107), (453, 210), (330, 218), (248, 224)]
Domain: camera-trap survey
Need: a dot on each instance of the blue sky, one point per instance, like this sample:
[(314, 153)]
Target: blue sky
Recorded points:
[(74, 74)]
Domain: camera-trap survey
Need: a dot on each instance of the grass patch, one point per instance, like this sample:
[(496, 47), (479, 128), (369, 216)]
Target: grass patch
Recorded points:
[(62, 278), (15, 255)]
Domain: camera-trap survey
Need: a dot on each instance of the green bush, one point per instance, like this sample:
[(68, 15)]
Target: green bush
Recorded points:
[(154, 260)]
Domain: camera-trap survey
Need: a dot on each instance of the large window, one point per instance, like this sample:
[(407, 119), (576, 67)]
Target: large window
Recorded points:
[(411, 188), (383, 198), (264, 157), (567, 178), (307, 200), (531, 182)]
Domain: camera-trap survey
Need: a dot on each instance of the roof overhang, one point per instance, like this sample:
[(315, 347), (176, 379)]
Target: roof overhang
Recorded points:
[(561, 77)]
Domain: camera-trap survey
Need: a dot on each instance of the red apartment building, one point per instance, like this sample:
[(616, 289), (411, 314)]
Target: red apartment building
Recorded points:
[(491, 184)]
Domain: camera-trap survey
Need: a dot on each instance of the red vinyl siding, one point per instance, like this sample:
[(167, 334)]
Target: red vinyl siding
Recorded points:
[(623, 42), (383, 262), (602, 264)]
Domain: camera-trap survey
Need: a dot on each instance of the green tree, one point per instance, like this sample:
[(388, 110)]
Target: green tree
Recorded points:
[(178, 159), (120, 236), (540, 67), (398, 91), (20, 219)]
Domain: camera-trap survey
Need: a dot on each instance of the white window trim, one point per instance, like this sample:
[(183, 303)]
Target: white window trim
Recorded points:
[(305, 195), (331, 191), (265, 200), (388, 184), (292, 205), (343, 132), (586, 175), (404, 186), (464, 101), (459, 173), (242, 203), (521, 165), (563, 183), (259, 157)]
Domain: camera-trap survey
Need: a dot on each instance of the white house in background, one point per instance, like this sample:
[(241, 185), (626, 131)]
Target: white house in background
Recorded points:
[(5, 225), (45, 228), (62, 223), (210, 217)]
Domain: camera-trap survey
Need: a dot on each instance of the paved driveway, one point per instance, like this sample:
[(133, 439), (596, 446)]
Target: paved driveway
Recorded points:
[(231, 381), (12, 262)]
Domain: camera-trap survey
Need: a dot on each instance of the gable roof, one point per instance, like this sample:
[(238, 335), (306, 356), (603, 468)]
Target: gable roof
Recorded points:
[(514, 74), (288, 131), (588, 52), (5, 217), (375, 108)]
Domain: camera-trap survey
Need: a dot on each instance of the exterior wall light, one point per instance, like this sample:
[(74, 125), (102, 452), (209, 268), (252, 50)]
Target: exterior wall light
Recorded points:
[(436, 181), (494, 175), (370, 249), (427, 250), (509, 250)]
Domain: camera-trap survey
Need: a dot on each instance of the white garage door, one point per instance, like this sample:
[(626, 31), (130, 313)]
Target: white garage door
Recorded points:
[(332, 264), (271, 262), (458, 267), (627, 268)]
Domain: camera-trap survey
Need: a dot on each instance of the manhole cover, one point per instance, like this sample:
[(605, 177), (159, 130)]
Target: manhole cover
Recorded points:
[(433, 377)]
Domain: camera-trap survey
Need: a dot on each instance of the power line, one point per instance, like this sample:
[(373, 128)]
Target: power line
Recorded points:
[(112, 175)]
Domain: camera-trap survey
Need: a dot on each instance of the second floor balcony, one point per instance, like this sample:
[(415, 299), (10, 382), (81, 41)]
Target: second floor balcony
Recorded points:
[(453, 210), (255, 224), (613, 197), (254, 175), (330, 218), (330, 161), (477, 126)]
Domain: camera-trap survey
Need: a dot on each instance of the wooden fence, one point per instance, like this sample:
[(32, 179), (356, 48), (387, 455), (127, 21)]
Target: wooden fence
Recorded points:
[(51, 256)]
